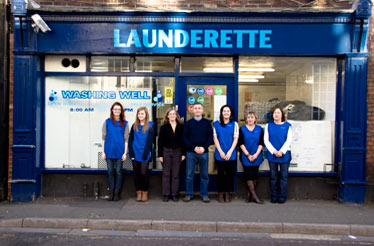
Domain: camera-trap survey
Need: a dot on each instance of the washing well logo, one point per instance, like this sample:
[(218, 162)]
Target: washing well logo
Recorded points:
[(157, 97), (53, 96)]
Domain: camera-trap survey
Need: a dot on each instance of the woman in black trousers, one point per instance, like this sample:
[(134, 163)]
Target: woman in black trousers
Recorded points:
[(171, 153)]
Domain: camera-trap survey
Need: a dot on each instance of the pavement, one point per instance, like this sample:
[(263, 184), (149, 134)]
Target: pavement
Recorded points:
[(316, 217)]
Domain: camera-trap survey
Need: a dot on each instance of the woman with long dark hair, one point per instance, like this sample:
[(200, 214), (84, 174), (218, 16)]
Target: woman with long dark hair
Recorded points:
[(115, 133), (140, 148), (278, 137), (225, 136), (171, 153)]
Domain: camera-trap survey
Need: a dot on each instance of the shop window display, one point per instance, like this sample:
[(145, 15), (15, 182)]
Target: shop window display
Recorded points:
[(77, 106), (306, 90)]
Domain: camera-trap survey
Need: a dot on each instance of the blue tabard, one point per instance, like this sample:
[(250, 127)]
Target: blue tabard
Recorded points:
[(277, 137), (114, 146), (225, 135), (251, 143), (140, 141)]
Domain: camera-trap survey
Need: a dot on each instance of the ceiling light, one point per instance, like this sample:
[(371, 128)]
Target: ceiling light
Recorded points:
[(218, 69), (251, 77), (256, 69), (248, 80)]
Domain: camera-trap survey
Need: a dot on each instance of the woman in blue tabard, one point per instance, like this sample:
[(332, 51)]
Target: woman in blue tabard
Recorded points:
[(225, 136), (115, 133), (251, 143), (140, 147), (278, 137)]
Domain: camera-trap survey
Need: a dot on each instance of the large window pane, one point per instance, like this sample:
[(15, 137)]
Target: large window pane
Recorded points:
[(76, 107), (207, 64), (306, 90), (110, 64), (154, 64)]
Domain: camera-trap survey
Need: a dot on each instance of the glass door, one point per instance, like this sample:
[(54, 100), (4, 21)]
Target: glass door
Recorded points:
[(212, 93)]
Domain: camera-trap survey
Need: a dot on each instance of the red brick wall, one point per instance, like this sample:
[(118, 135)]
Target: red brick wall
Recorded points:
[(370, 101)]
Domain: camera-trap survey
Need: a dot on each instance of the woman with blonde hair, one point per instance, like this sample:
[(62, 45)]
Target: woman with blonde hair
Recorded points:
[(140, 147), (171, 153), (251, 143)]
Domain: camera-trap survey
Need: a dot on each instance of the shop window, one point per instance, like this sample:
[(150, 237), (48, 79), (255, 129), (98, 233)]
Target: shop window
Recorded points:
[(306, 90), (207, 64), (154, 64), (77, 106), (110, 64)]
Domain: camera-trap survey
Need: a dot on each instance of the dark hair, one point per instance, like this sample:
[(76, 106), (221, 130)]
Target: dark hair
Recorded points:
[(121, 116), (197, 103), (272, 112), (221, 115)]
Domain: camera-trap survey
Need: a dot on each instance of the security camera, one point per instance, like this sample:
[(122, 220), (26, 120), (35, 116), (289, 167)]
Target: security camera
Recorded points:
[(39, 23)]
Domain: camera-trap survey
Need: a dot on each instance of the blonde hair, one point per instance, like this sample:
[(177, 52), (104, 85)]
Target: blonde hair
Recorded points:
[(146, 120), (166, 118), (251, 113)]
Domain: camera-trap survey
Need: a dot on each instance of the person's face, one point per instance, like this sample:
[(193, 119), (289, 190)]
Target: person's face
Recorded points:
[(141, 115), (226, 113), (277, 115), (251, 119), (172, 115), (198, 110), (116, 111)]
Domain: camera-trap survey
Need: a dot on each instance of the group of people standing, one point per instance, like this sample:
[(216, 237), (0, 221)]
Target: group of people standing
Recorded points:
[(190, 141)]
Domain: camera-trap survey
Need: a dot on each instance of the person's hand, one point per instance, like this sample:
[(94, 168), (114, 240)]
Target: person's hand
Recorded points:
[(103, 156), (132, 159), (228, 155), (202, 150), (161, 159), (197, 150), (183, 158), (222, 154), (124, 157), (278, 154)]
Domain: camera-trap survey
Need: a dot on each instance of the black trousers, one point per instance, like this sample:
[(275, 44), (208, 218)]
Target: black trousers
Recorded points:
[(225, 176), (141, 179)]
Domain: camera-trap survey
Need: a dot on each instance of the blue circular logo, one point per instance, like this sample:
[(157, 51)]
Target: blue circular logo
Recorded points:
[(191, 100), (200, 91)]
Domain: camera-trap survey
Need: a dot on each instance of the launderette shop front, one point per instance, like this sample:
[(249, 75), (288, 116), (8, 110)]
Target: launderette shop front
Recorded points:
[(314, 65)]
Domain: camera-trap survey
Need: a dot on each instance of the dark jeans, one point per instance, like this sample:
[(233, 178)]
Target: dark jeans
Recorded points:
[(279, 180), (170, 171), (141, 179), (114, 173), (225, 175)]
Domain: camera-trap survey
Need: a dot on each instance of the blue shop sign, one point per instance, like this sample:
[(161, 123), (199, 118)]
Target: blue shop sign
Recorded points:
[(189, 38)]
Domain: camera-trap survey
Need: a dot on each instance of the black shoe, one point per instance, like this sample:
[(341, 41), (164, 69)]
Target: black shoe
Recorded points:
[(116, 195), (174, 198), (274, 200), (165, 199), (281, 201), (110, 195)]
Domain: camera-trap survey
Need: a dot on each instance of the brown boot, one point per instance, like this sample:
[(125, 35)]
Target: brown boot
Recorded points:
[(145, 196), (227, 197), (138, 195), (251, 187), (220, 197)]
